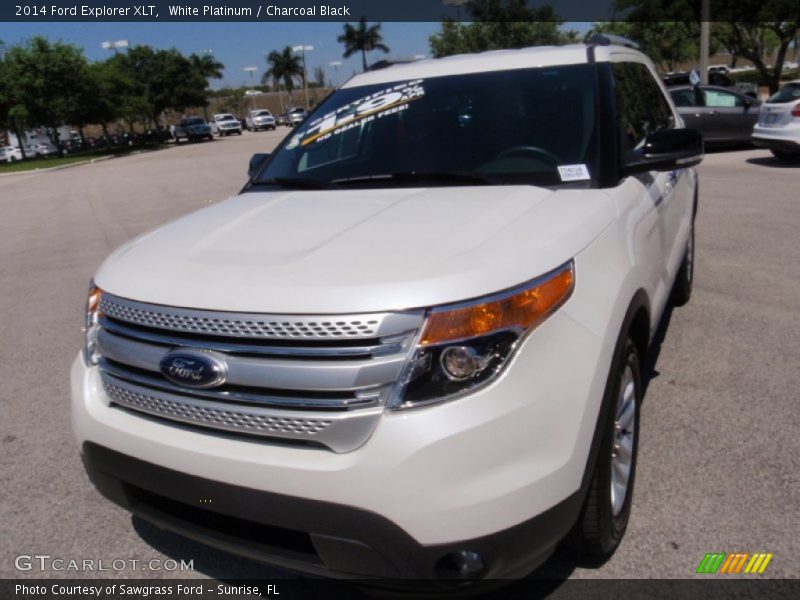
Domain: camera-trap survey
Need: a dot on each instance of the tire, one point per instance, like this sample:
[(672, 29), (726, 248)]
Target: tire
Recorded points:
[(239, 132), (682, 288), (606, 510), (786, 156)]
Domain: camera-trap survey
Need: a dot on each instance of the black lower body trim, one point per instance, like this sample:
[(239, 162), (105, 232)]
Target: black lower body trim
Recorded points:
[(311, 536)]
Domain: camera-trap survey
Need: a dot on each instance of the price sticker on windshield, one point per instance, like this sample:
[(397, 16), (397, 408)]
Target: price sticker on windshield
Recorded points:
[(573, 173)]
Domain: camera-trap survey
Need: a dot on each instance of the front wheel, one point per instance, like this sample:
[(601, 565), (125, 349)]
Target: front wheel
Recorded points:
[(607, 508)]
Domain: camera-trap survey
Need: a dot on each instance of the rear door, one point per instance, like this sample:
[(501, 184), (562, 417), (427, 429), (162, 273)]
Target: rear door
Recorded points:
[(689, 103), (731, 115)]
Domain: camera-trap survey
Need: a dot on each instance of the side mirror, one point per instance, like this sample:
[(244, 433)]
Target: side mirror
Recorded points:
[(256, 163), (664, 151)]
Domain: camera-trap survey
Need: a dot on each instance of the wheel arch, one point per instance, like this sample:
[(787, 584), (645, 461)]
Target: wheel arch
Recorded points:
[(636, 324)]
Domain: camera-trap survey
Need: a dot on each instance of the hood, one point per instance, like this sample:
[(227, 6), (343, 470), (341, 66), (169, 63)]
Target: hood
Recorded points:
[(345, 251)]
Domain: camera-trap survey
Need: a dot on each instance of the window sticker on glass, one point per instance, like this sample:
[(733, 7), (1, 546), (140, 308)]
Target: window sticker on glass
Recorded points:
[(377, 105), (573, 172), (720, 100)]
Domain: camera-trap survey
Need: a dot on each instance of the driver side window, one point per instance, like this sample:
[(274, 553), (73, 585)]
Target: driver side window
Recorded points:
[(642, 108)]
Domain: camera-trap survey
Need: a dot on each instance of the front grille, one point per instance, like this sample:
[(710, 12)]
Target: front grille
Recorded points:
[(294, 378)]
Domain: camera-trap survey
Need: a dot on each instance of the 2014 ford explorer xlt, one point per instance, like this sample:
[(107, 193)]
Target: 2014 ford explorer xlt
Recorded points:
[(412, 346)]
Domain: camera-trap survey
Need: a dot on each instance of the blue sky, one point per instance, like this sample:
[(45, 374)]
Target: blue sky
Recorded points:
[(236, 45)]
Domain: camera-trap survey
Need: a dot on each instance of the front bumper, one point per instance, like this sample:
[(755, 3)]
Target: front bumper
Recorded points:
[(498, 472)]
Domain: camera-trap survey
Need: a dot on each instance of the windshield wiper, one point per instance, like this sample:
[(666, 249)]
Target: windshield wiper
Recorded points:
[(298, 183), (410, 176)]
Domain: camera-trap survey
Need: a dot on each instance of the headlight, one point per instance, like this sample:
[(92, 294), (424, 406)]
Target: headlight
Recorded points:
[(464, 347), (92, 325)]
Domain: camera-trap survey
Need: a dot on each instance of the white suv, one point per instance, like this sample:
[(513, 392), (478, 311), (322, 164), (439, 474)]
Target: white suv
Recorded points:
[(412, 346)]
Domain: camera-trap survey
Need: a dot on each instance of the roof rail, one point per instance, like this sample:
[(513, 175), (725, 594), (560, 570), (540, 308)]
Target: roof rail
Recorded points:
[(608, 39), (383, 64)]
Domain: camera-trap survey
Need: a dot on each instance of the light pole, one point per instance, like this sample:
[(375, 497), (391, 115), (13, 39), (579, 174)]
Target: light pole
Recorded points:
[(336, 64), (705, 30), (115, 45), (251, 70), (304, 49)]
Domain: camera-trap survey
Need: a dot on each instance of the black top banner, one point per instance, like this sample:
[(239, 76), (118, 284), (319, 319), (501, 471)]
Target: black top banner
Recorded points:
[(269, 10), (381, 10)]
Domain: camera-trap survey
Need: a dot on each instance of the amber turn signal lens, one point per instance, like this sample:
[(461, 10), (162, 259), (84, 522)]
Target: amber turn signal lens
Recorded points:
[(93, 302), (519, 310)]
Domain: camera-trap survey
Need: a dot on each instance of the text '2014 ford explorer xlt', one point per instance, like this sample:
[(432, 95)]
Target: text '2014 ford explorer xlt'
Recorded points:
[(412, 346)]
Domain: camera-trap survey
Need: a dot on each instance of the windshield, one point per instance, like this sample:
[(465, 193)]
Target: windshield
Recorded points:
[(226, 118), (522, 126), (195, 121), (262, 113), (788, 93)]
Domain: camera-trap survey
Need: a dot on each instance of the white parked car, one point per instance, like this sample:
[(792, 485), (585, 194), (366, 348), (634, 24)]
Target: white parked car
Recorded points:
[(10, 154), (413, 346), (778, 126), (226, 124), (40, 149), (260, 119)]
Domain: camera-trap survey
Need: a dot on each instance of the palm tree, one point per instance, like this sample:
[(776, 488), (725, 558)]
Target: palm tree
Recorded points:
[(283, 67), (362, 39)]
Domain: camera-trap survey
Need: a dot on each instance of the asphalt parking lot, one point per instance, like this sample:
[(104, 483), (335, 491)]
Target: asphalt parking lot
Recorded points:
[(719, 466)]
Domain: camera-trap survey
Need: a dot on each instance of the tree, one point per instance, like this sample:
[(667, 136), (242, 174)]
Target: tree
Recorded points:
[(164, 79), (747, 28), (48, 79), (755, 41), (667, 43), (499, 24), (283, 67), (363, 38)]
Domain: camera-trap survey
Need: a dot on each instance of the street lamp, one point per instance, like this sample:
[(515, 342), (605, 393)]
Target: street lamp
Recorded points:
[(304, 49), (251, 70), (336, 64), (116, 45)]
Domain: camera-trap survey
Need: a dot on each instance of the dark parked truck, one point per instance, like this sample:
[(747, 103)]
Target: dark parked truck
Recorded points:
[(193, 129)]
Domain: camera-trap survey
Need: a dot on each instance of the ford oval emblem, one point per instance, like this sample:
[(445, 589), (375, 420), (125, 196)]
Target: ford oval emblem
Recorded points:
[(194, 369)]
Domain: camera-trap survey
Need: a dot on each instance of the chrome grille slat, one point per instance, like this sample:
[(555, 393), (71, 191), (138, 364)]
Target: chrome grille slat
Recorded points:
[(342, 432), (361, 399), (270, 372), (387, 346)]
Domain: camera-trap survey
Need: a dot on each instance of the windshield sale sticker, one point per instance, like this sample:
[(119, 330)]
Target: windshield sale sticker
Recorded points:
[(573, 172), (362, 110)]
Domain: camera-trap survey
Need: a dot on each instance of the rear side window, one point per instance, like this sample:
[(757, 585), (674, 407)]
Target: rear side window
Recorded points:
[(720, 99), (788, 93), (684, 97), (642, 108)]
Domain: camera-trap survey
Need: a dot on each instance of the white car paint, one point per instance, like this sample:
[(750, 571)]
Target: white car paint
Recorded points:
[(458, 470)]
